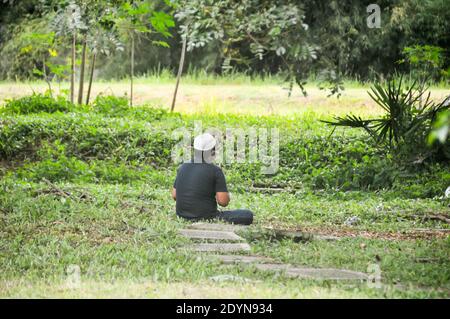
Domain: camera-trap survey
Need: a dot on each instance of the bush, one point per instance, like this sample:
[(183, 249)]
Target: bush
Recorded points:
[(85, 137), (55, 165), (37, 103), (72, 169), (113, 106), (110, 106)]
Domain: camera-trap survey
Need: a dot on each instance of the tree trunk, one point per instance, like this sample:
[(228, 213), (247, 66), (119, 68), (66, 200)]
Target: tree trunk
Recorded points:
[(83, 64), (91, 76), (132, 68), (180, 70), (72, 76), (44, 71)]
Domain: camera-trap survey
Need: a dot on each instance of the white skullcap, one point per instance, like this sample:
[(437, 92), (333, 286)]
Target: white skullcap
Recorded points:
[(204, 142)]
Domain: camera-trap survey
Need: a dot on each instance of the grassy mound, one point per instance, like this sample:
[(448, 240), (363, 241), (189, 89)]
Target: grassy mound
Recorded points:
[(109, 137)]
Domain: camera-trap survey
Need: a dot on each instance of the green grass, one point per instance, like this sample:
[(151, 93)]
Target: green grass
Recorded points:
[(150, 288), (90, 187), (203, 77), (235, 94), (127, 233)]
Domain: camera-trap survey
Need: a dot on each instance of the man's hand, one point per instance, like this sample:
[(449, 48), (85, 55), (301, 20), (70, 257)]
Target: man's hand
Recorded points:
[(223, 198)]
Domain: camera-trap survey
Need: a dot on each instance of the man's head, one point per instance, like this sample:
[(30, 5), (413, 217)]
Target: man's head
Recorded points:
[(204, 146)]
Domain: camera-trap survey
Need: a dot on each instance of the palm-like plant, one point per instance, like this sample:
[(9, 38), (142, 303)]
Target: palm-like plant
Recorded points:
[(409, 112)]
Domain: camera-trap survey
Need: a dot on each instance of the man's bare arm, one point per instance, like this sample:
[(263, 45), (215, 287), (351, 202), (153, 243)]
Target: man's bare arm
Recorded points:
[(174, 193), (223, 198)]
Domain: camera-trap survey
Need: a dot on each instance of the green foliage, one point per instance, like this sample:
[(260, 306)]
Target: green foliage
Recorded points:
[(426, 56), (430, 184), (28, 50), (69, 19), (425, 61), (441, 128), (337, 44), (111, 104), (142, 17), (258, 27), (161, 22), (337, 163), (37, 103), (54, 165), (86, 136)]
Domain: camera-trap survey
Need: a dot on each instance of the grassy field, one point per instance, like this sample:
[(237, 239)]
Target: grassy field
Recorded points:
[(91, 188), (239, 96)]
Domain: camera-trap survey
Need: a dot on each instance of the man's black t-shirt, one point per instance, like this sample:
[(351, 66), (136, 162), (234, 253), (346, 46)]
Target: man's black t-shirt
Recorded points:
[(196, 185)]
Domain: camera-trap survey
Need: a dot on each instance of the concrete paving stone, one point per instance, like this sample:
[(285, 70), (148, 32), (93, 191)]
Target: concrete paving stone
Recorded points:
[(209, 234), (216, 226), (234, 259), (326, 237), (313, 273), (220, 247)]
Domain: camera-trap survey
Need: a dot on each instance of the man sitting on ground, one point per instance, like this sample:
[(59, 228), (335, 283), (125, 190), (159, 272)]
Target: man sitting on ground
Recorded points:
[(200, 186)]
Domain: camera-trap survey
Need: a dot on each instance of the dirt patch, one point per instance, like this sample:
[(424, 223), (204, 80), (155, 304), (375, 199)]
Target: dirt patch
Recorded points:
[(400, 235)]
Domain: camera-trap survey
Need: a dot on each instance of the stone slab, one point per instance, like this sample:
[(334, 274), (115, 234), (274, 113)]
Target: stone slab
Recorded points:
[(234, 259), (220, 247), (296, 236), (216, 226), (269, 190), (223, 278), (313, 273), (209, 234), (326, 237)]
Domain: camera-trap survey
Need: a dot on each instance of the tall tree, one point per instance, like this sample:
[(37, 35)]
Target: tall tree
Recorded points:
[(102, 40), (67, 21), (141, 18), (180, 69), (262, 27), (83, 64)]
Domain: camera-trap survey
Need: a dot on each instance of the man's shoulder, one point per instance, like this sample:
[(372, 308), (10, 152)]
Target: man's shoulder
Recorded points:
[(214, 167), (205, 166)]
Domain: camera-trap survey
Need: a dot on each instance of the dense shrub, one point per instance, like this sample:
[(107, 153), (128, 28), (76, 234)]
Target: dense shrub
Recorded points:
[(110, 106), (86, 137), (74, 170), (37, 103), (113, 106)]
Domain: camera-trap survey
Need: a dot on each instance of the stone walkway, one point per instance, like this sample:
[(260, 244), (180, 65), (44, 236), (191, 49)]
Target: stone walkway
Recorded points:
[(222, 239)]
